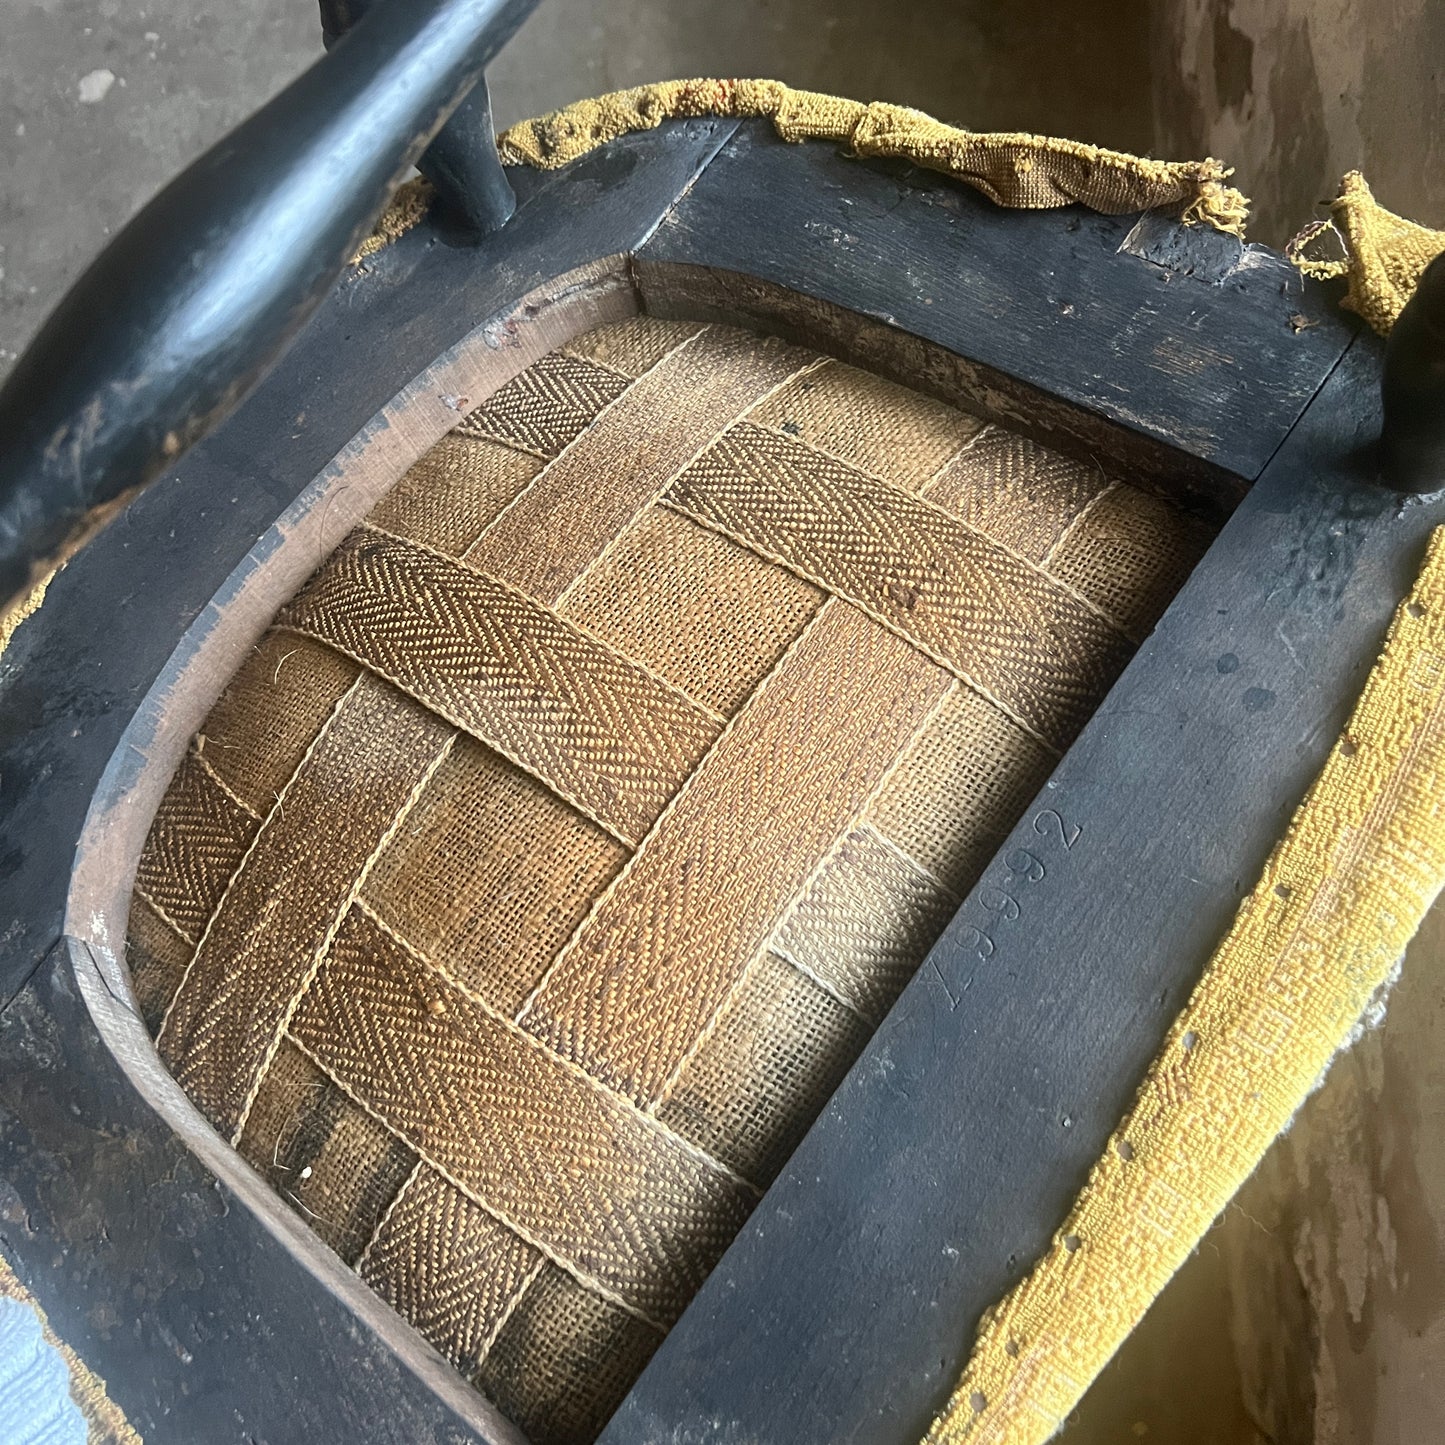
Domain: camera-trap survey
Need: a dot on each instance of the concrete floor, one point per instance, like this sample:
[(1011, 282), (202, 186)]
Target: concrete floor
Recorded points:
[(102, 101)]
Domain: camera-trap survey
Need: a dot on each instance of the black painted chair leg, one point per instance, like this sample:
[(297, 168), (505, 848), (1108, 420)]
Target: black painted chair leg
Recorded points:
[(463, 164), (462, 161), (1412, 388)]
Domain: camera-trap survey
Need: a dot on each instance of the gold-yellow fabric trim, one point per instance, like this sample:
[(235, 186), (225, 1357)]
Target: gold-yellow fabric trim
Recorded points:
[(24, 605), (105, 1422), (1012, 169), (1316, 940), (1386, 253)]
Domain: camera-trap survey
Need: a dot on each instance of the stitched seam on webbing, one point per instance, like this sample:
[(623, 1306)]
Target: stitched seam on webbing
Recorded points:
[(553, 1058), (509, 1305), (1112, 484), (770, 944), (860, 820), (952, 518), (510, 443), (475, 427), (711, 441), (376, 1233), (872, 828), (869, 1016), (578, 440), (319, 956), (601, 1013), (807, 444), (164, 917), (587, 1281), (830, 989), (197, 752), (733, 722), (522, 766), (602, 643), (768, 555), (987, 429), (274, 811), (507, 1311), (567, 351)]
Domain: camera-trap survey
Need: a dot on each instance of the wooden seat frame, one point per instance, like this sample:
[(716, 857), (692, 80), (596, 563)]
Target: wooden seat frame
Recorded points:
[(845, 1310)]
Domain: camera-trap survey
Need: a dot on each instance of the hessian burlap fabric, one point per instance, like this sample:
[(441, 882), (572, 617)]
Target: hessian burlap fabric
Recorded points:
[(541, 872)]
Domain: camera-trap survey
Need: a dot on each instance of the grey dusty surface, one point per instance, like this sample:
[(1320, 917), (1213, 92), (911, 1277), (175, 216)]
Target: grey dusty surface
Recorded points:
[(102, 101)]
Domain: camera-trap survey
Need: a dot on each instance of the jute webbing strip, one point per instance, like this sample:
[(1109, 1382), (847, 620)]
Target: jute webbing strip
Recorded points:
[(545, 541), (707, 614), (491, 875), (865, 922), (447, 1265), (1340, 897), (197, 841), (632, 346), (872, 425), (1010, 488), (965, 781), (637, 985), (270, 713), (548, 406), (453, 493), (999, 623), (157, 955), (602, 1190), (611, 738), (273, 926), (564, 1359), (1126, 551), (776, 1052), (323, 1152)]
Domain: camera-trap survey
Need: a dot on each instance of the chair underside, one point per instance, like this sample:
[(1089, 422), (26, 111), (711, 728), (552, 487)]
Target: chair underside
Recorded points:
[(1178, 363), (552, 857)]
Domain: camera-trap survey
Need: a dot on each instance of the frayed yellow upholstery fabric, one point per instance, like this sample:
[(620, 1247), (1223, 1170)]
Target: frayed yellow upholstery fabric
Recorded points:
[(23, 607), (105, 1421), (1312, 945), (1015, 170), (1387, 253), (403, 211)]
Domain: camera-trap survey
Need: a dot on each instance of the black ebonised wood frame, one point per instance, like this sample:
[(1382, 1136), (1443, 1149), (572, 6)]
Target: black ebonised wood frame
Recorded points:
[(194, 300), (943, 1164)]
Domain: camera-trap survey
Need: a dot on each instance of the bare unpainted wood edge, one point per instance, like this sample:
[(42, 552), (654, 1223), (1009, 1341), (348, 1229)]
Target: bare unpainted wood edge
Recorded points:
[(684, 290), (205, 659)]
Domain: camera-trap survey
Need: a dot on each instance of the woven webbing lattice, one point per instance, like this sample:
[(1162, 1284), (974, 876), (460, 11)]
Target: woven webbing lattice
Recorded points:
[(545, 866)]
